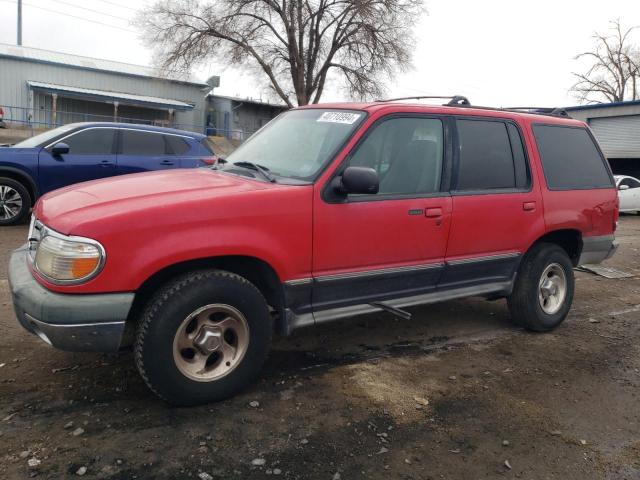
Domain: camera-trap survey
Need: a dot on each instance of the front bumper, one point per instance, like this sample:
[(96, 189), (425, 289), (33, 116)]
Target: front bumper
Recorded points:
[(597, 249), (77, 323)]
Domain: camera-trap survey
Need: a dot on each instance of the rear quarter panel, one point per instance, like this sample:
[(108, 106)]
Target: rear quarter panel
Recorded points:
[(593, 212)]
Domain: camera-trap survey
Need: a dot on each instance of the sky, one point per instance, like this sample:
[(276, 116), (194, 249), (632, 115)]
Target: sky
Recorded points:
[(495, 52)]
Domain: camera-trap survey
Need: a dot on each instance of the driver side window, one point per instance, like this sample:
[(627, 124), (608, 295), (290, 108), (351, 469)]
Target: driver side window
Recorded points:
[(407, 154), (93, 141)]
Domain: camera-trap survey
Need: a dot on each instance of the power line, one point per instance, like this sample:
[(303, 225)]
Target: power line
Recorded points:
[(91, 10), (72, 16), (118, 5)]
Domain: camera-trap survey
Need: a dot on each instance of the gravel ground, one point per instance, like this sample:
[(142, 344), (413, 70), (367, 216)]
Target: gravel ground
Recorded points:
[(455, 393)]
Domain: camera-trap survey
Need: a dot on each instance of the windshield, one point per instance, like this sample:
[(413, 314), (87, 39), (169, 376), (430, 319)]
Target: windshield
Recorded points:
[(299, 143), (44, 137)]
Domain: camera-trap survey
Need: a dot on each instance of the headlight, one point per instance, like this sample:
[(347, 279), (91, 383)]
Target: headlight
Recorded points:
[(71, 260)]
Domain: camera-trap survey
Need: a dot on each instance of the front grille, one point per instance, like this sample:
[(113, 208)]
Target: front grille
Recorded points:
[(36, 231)]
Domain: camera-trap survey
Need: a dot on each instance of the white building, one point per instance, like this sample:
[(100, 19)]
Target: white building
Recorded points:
[(617, 129)]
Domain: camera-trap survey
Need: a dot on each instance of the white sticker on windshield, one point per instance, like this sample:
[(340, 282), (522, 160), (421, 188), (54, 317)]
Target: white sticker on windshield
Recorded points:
[(348, 118)]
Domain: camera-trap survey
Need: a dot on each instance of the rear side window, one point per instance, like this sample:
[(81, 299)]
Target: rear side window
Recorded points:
[(136, 142), (176, 145), (94, 141), (491, 156), (570, 158)]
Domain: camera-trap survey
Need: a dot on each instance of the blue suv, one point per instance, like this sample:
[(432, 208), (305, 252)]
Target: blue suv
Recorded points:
[(86, 151)]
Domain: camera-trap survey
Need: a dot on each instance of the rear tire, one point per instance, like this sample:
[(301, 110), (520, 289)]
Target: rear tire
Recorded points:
[(203, 337), (15, 202), (544, 287)]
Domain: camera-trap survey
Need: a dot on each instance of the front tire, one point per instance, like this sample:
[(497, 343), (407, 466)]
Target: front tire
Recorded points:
[(15, 202), (544, 287), (203, 337)]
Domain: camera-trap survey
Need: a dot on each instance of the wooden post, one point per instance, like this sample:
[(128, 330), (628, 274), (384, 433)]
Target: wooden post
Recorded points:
[(54, 109)]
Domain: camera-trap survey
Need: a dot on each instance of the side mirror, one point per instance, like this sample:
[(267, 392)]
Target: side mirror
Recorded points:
[(357, 180), (623, 187), (60, 149)]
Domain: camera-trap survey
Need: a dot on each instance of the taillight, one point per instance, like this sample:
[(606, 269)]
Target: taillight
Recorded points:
[(209, 160)]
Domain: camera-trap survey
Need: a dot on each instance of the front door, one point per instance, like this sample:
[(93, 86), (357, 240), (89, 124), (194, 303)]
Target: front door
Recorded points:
[(91, 156), (392, 244)]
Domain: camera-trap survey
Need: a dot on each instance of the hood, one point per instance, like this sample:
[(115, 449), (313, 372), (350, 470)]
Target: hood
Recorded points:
[(69, 207)]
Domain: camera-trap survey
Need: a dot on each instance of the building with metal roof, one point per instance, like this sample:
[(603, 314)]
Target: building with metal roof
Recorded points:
[(616, 126), (238, 118), (42, 88)]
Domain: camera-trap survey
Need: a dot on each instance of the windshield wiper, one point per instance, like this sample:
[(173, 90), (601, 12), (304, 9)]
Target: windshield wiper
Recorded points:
[(264, 171)]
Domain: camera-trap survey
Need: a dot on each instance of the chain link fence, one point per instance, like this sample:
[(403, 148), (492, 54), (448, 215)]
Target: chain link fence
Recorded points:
[(34, 121)]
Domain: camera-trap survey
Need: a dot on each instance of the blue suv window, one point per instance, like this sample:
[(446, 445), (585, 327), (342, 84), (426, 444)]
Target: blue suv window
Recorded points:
[(136, 142), (94, 141), (176, 145)]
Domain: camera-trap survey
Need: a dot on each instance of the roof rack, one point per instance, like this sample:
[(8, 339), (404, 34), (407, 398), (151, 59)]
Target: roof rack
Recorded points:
[(462, 101), (559, 112), (453, 99)]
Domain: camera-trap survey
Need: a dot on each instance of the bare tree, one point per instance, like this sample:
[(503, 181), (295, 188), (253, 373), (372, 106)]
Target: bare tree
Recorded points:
[(615, 72), (297, 44)]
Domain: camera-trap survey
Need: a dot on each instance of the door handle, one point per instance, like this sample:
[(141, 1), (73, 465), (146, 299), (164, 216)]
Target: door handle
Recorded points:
[(529, 206), (166, 162), (433, 212), (105, 163)]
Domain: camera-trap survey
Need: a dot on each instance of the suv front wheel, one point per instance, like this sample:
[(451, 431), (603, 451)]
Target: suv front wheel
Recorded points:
[(203, 337), (15, 202), (543, 291)]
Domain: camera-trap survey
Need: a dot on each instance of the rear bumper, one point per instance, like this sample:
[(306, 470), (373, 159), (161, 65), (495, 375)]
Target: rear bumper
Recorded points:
[(597, 249), (80, 323)]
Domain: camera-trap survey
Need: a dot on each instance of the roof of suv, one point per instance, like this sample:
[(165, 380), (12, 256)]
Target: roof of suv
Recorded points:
[(137, 126), (470, 110)]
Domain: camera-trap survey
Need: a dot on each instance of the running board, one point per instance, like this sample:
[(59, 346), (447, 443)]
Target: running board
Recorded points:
[(403, 314)]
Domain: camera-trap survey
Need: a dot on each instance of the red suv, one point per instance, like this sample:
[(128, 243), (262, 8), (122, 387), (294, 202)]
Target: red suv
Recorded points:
[(327, 212)]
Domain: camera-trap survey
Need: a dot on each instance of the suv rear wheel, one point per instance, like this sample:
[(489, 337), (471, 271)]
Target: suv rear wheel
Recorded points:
[(544, 287), (15, 201), (203, 337)]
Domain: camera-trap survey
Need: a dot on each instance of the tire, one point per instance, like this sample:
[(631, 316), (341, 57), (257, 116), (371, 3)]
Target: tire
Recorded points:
[(15, 202), (532, 304), (198, 301)]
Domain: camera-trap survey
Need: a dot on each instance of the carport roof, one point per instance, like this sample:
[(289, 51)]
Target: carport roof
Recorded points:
[(106, 96)]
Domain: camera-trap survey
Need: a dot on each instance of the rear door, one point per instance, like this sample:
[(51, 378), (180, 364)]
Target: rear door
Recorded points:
[(497, 209), (143, 150), (91, 156)]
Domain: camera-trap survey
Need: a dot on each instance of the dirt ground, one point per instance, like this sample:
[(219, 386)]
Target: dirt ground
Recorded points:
[(349, 400)]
